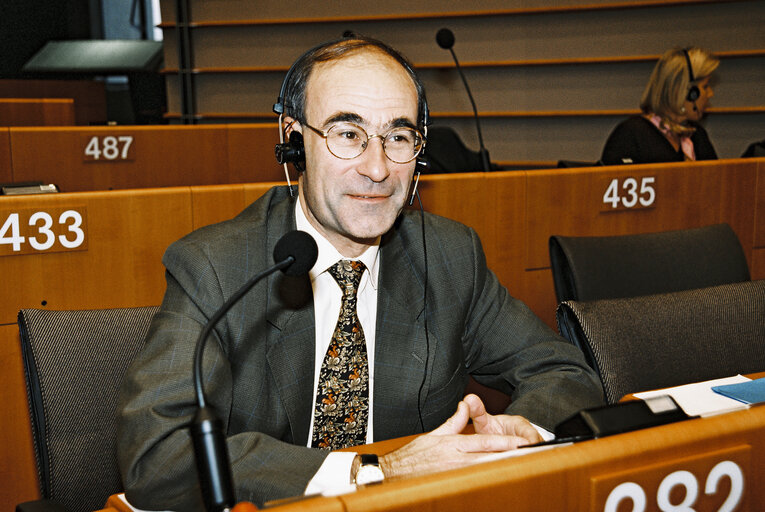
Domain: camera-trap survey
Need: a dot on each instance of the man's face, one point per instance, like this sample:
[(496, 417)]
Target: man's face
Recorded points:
[(352, 202)]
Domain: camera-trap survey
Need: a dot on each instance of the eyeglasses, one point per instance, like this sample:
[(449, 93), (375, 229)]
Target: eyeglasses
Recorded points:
[(347, 140)]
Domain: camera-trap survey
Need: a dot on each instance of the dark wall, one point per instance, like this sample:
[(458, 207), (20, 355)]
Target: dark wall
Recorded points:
[(26, 25)]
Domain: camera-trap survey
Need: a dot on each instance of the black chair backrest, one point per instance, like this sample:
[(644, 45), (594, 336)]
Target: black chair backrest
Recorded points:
[(606, 267), (74, 363), (445, 152), (656, 341)]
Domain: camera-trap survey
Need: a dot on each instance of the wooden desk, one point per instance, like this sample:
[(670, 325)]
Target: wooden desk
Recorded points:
[(36, 112), (123, 157), (513, 212), (709, 457)]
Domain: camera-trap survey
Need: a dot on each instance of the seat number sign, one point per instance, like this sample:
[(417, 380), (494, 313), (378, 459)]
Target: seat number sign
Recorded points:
[(109, 148), (705, 483), (31, 231), (629, 193)]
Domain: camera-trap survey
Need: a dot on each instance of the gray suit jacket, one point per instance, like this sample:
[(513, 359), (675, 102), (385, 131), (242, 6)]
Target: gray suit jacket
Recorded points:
[(258, 368)]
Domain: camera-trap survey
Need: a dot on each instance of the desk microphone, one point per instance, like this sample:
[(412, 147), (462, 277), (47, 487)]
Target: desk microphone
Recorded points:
[(445, 39), (295, 253)]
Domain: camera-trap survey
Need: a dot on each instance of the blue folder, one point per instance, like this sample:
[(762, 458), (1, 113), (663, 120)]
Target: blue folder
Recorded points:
[(752, 392)]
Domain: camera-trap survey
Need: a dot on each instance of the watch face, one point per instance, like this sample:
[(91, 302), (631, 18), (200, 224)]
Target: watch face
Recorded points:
[(369, 474)]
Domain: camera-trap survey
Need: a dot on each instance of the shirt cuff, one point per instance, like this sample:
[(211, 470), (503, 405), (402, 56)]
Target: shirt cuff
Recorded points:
[(334, 475)]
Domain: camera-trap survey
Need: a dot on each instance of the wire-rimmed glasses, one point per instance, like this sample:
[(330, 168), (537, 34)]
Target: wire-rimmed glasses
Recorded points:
[(347, 140)]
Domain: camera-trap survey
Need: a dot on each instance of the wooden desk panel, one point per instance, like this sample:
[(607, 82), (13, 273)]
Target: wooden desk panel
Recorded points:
[(252, 191), (566, 478), (570, 202), (251, 153), (89, 95), (759, 212), (126, 234), (6, 173), (18, 470), (36, 112), (490, 203), (120, 157), (216, 203)]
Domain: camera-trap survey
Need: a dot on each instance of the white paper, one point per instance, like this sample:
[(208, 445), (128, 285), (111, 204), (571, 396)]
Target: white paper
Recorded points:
[(698, 399)]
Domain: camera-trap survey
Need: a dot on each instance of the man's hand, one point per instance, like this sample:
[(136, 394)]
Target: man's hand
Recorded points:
[(445, 448)]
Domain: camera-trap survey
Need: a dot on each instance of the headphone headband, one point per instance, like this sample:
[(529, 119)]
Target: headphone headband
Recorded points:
[(280, 106), (693, 90)]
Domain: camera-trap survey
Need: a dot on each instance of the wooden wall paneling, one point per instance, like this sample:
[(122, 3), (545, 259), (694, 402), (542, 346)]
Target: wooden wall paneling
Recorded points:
[(241, 9), (555, 31), (574, 34), (239, 93), (550, 35), (215, 203), (119, 263), (251, 152), (158, 156), (6, 170), (531, 139), (36, 112), (18, 469), (759, 215), (732, 133)]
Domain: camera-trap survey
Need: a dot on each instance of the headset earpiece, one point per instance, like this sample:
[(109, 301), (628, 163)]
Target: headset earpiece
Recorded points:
[(693, 90), (292, 151), (693, 93)]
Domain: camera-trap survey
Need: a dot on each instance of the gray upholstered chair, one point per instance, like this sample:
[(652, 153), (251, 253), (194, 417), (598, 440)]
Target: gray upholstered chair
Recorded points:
[(655, 341), (606, 267), (74, 362)]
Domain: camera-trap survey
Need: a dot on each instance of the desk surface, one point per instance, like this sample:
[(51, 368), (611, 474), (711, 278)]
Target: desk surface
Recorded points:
[(716, 459)]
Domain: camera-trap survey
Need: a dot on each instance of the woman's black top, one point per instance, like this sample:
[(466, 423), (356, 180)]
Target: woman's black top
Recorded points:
[(637, 141)]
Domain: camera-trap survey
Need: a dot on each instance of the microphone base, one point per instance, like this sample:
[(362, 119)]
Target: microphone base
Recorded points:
[(211, 455)]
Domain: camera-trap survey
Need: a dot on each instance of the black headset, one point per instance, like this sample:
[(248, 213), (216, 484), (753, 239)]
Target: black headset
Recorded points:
[(693, 90), (293, 151)]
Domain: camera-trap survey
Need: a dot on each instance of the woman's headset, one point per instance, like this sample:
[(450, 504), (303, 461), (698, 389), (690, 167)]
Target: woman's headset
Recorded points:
[(693, 90)]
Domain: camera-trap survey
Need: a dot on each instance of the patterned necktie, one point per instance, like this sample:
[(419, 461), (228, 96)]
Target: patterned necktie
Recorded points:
[(342, 400)]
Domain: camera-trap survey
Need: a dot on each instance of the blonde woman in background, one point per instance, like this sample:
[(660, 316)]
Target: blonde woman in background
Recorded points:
[(673, 102)]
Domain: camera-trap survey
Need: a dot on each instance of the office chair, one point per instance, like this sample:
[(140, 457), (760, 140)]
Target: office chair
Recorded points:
[(74, 362), (605, 267), (656, 341), (445, 152)]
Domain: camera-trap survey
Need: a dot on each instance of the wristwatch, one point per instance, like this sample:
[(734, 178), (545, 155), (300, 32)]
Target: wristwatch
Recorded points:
[(369, 471)]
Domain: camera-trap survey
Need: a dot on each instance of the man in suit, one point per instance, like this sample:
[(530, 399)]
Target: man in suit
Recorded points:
[(426, 312)]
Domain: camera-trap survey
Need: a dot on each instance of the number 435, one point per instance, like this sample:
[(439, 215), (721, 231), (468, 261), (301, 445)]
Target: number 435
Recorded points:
[(628, 194)]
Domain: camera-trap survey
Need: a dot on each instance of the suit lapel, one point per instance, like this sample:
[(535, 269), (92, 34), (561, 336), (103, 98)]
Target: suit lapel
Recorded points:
[(291, 342), (400, 352)]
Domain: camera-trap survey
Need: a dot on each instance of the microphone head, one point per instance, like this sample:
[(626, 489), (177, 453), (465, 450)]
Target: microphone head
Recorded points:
[(301, 246), (445, 38)]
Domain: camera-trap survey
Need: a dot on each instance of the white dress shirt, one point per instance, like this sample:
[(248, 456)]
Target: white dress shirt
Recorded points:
[(333, 477), (327, 297)]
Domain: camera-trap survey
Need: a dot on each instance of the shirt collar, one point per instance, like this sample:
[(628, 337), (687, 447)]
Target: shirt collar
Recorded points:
[(328, 255)]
